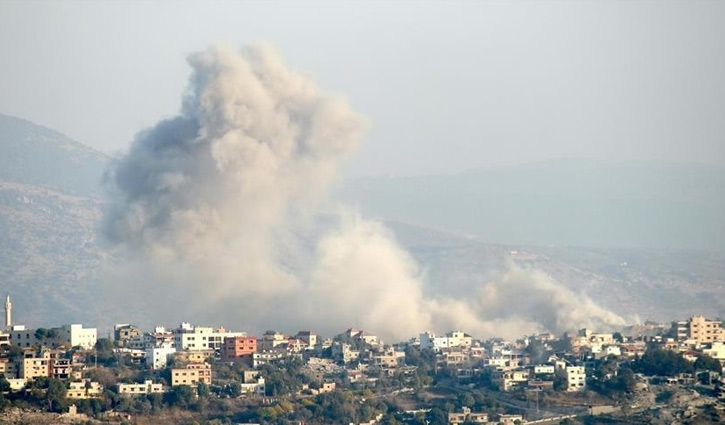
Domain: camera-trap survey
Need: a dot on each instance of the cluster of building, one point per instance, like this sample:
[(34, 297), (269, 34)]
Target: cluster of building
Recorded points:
[(354, 356)]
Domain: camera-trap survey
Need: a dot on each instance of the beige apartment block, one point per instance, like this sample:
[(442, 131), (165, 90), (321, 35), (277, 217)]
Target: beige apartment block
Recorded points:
[(35, 367), (192, 375), (698, 330)]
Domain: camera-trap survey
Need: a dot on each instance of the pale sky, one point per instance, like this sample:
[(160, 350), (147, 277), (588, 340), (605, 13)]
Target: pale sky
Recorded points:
[(448, 86)]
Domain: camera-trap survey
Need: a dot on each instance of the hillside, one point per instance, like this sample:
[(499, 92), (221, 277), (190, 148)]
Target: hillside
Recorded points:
[(50, 188), (633, 205), (39, 156), (460, 229), (657, 285)]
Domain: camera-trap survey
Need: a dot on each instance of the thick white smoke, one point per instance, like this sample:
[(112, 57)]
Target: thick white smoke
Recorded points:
[(219, 210)]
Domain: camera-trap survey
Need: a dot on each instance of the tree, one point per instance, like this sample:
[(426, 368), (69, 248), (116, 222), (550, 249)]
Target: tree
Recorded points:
[(662, 362), (55, 395), (104, 352), (202, 390), (181, 396), (466, 400), (234, 389), (705, 362), (4, 384)]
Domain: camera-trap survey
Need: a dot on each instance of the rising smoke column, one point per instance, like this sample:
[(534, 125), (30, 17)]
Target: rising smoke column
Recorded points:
[(219, 187), (216, 212)]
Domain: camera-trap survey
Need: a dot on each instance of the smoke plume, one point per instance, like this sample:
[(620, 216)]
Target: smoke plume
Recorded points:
[(219, 211)]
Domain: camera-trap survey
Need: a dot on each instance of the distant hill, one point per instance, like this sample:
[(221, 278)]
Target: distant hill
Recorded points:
[(651, 284), (459, 228), (50, 204), (634, 205), (36, 155)]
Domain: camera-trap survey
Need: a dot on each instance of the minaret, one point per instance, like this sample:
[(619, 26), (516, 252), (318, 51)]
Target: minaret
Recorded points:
[(8, 313)]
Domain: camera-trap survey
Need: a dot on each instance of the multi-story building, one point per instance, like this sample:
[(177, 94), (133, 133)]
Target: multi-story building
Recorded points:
[(239, 348), (193, 374), (78, 336), (252, 383), (389, 359), (158, 357), (7, 368), (271, 340), (196, 338), (35, 367), (508, 380), (698, 330), (576, 378), (125, 332), (61, 368)]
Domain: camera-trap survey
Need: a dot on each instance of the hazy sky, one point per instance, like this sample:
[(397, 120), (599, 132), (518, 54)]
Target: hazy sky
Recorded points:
[(448, 86)]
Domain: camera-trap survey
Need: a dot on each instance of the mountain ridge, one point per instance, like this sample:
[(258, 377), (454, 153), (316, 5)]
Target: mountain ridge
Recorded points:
[(40, 156)]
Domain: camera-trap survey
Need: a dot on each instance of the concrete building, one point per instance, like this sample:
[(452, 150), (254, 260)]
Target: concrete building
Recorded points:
[(716, 350), (239, 348), (466, 416), (259, 359), (70, 335), (428, 340), (148, 387), (78, 336), (389, 359), (698, 330), (124, 332), (576, 378), (35, 367), (544, 369), (271, 340), (84, 389), (252, 383), (158, 357), (196, 338), (308, 337), (508, 380), (192, 375), (61, 368)]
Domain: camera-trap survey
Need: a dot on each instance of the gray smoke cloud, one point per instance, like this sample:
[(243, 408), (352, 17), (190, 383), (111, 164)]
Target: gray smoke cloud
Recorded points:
[(217, 211)]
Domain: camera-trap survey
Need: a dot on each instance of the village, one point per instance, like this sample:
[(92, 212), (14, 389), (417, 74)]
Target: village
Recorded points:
[(540, 378)]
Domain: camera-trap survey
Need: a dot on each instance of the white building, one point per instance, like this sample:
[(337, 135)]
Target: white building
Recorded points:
[(197, 338), (576, 378), (81, 337), (256, 387), (147, 387), (158, 357), (452, 339), (544, 369), (73, 335), (716, 351)]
